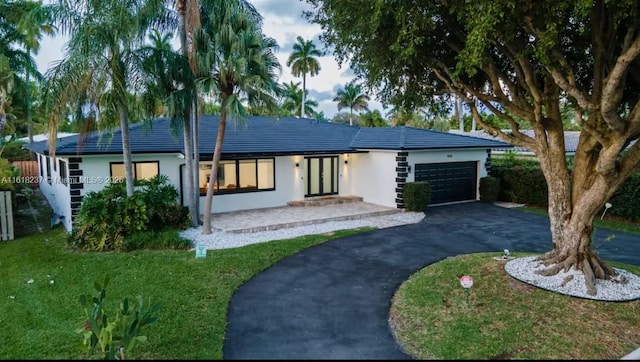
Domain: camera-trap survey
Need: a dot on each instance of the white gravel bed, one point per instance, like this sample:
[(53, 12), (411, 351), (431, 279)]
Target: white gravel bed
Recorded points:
[(524, 270), (221, 240)]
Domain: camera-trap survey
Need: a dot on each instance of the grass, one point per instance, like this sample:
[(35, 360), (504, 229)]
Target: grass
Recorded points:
[(608, 222), (505, 318), (39, 319)]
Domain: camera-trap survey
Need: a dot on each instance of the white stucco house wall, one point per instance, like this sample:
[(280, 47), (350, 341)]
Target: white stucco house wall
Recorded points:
[(269, 162)]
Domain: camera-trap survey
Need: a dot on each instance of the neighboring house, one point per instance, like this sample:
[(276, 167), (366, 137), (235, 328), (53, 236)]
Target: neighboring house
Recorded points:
[(269, 162), (571, 139)]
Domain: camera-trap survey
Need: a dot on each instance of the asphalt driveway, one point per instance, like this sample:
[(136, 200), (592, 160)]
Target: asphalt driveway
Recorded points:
[(332, 300)]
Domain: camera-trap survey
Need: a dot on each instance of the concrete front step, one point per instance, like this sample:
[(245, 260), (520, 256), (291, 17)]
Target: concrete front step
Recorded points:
[(325, 200), (293, 224)]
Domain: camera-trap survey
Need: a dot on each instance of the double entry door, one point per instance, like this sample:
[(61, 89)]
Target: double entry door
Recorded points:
[(321, 176)]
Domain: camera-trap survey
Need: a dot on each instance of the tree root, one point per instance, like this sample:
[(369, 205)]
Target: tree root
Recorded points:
[(591, 266)]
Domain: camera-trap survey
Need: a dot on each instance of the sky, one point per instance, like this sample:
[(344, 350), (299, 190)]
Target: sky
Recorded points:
[(282, 21)]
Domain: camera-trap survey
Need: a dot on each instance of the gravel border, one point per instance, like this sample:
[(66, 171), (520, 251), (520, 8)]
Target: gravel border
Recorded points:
[(221, 240), (524, 269)]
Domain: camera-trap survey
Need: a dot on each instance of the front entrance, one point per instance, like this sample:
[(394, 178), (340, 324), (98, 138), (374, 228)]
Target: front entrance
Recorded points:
[(322, 176)]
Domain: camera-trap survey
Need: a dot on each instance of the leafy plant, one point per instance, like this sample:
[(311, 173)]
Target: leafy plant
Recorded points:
[(108, 334), (106, 218), (489, 189)]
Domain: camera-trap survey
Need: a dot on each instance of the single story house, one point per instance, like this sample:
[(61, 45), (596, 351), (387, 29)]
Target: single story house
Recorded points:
[(268, 162)]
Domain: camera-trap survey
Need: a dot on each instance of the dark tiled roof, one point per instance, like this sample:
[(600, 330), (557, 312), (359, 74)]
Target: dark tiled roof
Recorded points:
[(266, 135), (408, 138)]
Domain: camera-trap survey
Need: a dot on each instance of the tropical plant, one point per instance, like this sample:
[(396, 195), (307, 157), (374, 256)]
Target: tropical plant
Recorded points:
[(351, 97), (100, 63), (115, 333), (235, 60), (293, 98), (372, 119), (516, 59), (303, 61)]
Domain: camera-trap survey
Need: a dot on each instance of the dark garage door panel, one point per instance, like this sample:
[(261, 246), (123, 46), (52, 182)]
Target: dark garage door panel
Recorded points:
[(450, 182)]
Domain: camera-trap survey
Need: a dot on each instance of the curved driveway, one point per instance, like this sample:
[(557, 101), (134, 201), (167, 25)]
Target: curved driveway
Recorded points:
[(332, 301)]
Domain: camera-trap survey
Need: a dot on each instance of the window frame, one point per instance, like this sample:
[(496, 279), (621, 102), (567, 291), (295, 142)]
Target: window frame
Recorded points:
[(238, 189), (63, 170), (133, 166)]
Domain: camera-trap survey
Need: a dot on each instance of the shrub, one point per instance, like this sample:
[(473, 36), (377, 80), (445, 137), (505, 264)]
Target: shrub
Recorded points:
[(107, 217), (156, 240), (521, 181), (625, 200), (489, 189), (417, 195)]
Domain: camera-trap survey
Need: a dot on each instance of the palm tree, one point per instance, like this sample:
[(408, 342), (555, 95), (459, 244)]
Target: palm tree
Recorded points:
[(303, 61), (101, 59), (33, 24), (239, 61), (292, 100), (351, 97)]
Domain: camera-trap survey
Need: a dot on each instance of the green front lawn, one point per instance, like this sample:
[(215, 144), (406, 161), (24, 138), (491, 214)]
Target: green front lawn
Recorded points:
[(505, 318), (609, 223), (39, 319)]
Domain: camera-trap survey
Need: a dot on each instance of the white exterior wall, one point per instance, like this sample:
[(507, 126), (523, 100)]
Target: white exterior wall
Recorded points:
[(372, 176), (445, 156), (289, 186), (97, 169), (56, 192)]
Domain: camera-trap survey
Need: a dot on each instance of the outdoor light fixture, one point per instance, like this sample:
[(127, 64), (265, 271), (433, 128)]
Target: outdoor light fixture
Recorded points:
[(346, 162), (408, 168), (297, 165)]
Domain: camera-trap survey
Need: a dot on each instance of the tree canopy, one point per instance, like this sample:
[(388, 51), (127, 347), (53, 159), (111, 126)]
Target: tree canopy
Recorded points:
[(518, 60)]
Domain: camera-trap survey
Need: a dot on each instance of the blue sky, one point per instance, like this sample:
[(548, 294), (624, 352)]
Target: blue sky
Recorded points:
[(283, 21)]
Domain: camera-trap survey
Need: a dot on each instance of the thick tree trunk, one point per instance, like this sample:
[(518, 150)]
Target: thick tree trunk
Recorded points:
[(126, 150), (571, 217), (222, 126)]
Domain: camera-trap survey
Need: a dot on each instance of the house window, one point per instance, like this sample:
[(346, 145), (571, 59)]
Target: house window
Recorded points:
[(236, 176), (141, 170), (62, 169)]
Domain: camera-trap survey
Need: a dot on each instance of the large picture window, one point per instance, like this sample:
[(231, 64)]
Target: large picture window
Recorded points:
[(141, 170), (234, 176)]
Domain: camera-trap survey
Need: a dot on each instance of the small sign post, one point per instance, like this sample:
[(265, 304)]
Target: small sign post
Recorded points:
[(201, 250), (467, 282)]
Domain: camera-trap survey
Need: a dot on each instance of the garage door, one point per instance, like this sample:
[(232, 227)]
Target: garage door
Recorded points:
[(450, 182)]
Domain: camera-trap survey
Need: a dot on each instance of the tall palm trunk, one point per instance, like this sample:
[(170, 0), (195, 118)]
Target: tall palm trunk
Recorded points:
[(351, 116), (189, 197), (222, 126), (27, 101), (196, 158), (304, 87), (126, 149)]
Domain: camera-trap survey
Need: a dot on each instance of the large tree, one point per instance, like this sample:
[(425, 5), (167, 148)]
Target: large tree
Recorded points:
[(303, 61), (236, 61), (352, 97), (516, 59)]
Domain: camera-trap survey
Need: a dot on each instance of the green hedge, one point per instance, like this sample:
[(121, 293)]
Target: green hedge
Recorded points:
[(626, 200), (522, 181), (417, 195), (489, 189)]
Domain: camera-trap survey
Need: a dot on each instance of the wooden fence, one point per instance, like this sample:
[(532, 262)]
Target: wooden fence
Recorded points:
[(28, 171), (6, 216)]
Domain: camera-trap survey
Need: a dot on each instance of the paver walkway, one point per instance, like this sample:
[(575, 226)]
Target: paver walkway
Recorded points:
[(291, 216), (331, 301)]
